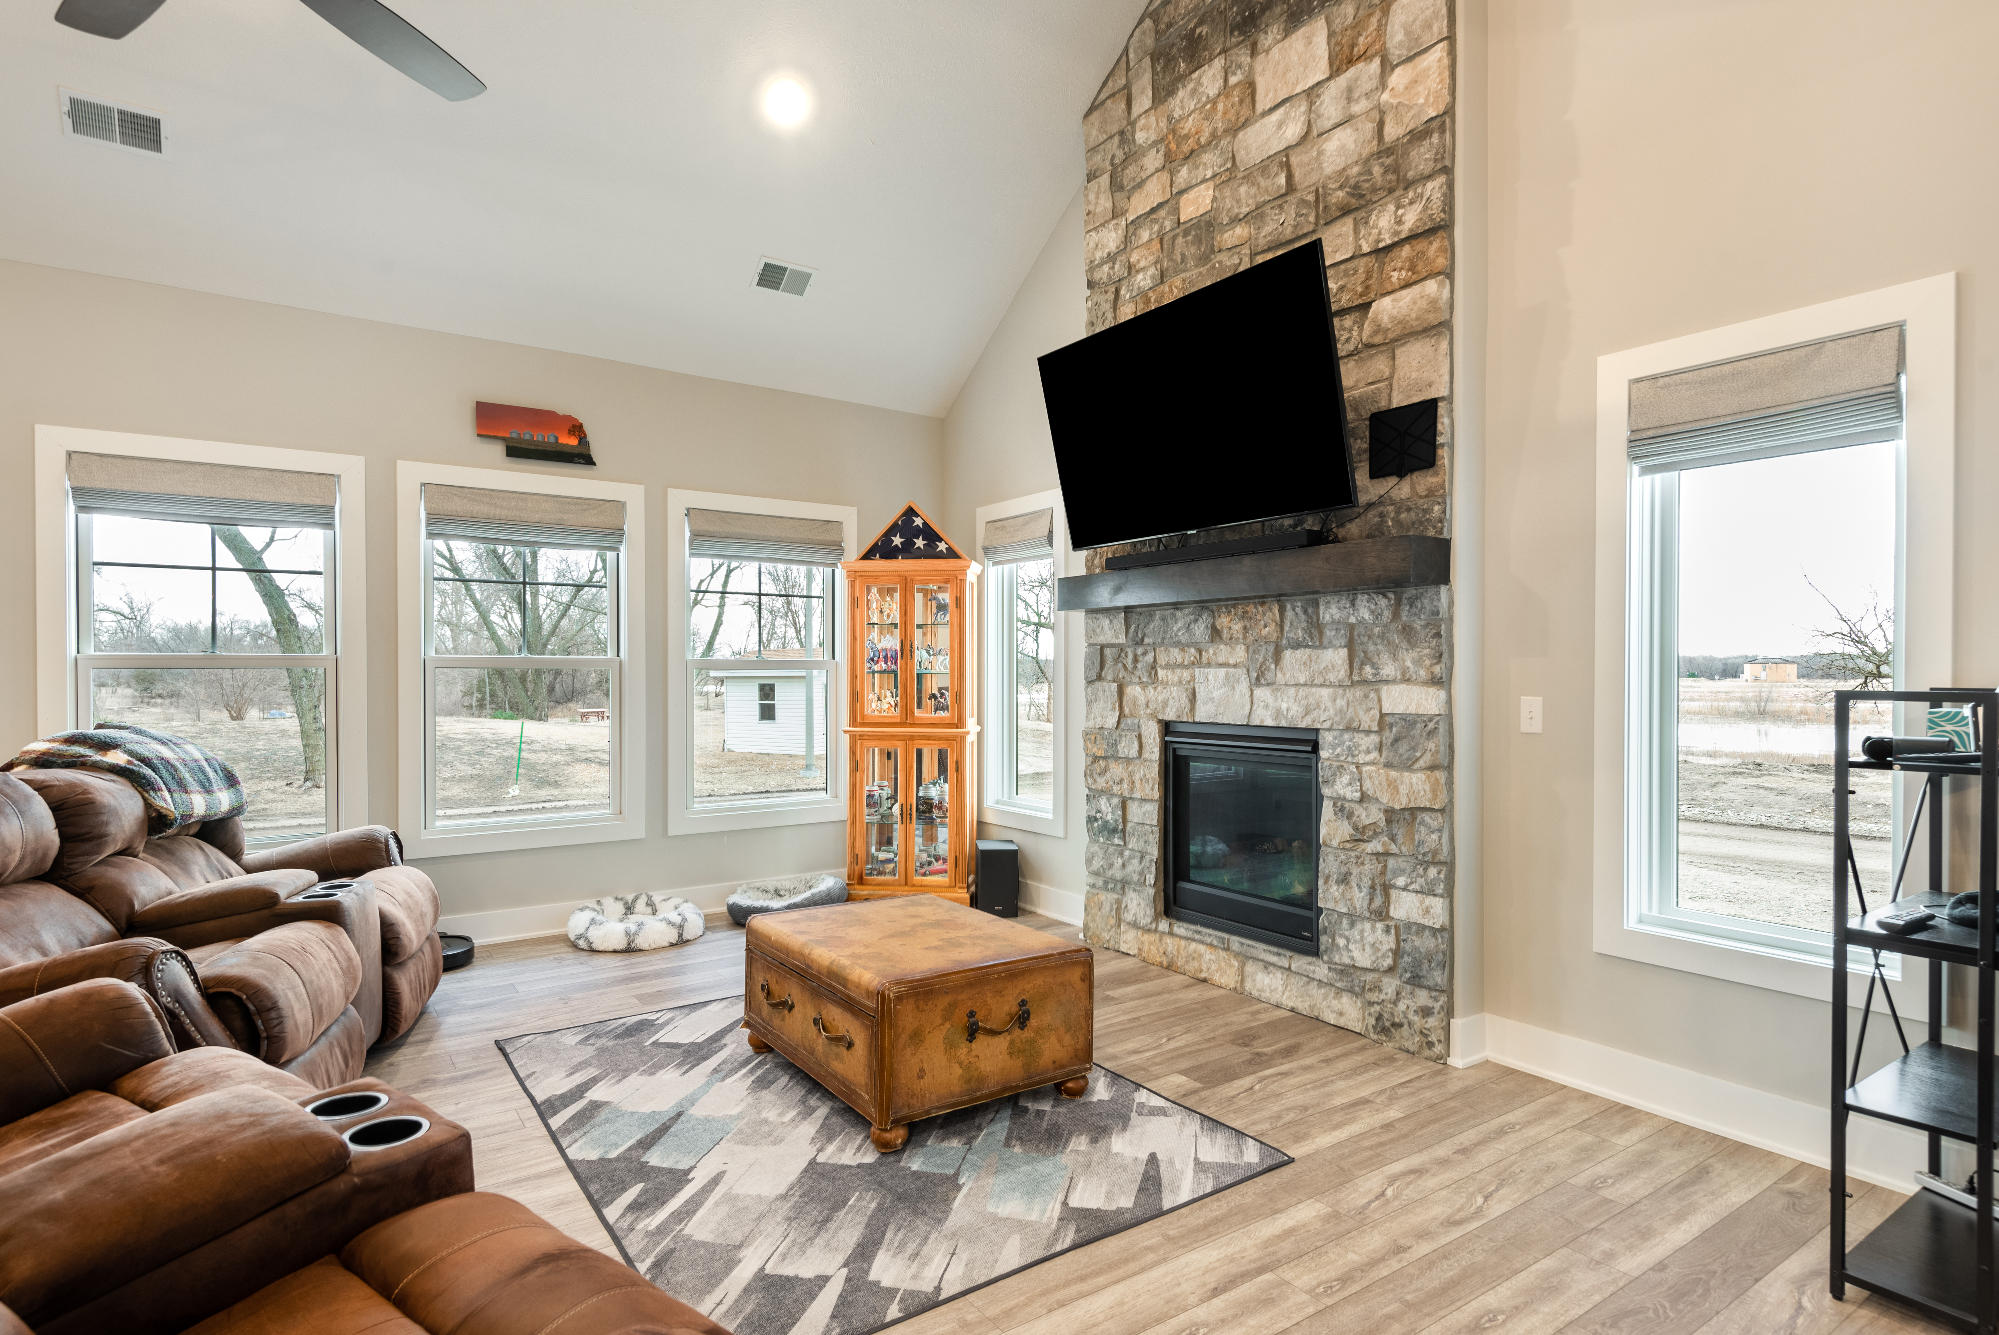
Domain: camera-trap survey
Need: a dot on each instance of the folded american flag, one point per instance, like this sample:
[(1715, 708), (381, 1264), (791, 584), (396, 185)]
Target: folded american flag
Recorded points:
[(182, 783)]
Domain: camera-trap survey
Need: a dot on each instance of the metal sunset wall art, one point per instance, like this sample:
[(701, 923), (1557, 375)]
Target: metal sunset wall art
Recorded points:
[(534, 433)]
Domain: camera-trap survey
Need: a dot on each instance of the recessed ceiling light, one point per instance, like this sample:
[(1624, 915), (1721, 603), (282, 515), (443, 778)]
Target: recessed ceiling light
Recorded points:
[(787, 103)]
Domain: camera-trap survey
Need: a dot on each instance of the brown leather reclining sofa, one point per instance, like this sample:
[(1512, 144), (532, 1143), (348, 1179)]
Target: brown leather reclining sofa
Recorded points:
[(305, 955), (150, 1190)]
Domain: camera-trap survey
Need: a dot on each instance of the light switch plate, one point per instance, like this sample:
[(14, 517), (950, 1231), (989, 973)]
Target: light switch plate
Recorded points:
[(1530, 713)]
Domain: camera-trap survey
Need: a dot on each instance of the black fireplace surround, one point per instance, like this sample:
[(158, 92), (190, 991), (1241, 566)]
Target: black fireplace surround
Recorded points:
[(1241, 823)]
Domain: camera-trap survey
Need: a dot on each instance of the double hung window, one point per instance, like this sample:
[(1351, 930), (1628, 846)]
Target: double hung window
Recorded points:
[(205, 607), (1021, 685), (758, 680)]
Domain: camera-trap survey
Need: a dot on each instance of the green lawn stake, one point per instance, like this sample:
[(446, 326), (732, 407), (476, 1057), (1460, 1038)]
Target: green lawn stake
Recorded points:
[(519, 743)]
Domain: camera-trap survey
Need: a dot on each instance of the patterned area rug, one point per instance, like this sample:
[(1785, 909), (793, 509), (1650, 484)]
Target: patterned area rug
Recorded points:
[(736, 1183)]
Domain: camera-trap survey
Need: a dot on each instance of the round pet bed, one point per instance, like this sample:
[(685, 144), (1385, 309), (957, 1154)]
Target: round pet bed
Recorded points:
[(784, 892), (634, 922)]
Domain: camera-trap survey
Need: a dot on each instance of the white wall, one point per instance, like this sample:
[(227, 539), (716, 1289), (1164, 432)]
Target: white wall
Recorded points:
[(1655, 170), (996, 447), (83, 350)]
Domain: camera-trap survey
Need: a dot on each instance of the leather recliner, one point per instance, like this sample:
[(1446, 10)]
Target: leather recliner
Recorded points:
[(286, 987), (200, 890), (152, 1189), (146, 1188)]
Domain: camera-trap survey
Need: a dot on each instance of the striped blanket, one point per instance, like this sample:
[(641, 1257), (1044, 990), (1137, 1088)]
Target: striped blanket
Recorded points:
[(182, 783)]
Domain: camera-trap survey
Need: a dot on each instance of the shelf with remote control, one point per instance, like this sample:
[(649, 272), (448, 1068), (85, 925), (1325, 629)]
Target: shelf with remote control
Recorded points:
[(1936, 1252)]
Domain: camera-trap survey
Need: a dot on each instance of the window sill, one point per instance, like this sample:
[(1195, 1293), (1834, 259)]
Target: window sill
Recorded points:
[(1021, 818), (1798, 972), (513, 838), (756, 816)]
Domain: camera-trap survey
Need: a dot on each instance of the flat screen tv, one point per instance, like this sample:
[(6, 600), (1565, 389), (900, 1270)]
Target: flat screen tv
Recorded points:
[(1221, 407)]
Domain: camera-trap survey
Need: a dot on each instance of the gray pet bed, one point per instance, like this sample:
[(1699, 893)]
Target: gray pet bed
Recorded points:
[(784, 892)]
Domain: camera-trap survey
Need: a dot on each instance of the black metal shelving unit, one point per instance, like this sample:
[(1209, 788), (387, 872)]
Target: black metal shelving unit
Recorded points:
[(1933, 1253)]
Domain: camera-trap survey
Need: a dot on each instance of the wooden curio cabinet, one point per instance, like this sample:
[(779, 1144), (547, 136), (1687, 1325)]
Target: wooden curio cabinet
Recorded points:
[(912, 801)]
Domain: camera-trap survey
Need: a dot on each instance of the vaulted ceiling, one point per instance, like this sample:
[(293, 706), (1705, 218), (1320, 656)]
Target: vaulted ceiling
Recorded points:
[(612, 191)]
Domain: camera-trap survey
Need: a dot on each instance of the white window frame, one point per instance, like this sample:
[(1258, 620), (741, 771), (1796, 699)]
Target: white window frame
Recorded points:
[(627, 817), (995, 688), (60, 689), (682, 815), (1629, 921)]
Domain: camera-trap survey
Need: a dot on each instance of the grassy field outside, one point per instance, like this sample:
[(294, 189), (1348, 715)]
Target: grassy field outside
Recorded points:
[(723, 774), (1755, 801), (264, 752)]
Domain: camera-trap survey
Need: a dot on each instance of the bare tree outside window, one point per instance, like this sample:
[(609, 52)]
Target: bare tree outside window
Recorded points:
[(1858, 647), (197, 600)]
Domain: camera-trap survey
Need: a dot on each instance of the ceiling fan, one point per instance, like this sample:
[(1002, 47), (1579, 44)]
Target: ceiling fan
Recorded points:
[(369, 22)]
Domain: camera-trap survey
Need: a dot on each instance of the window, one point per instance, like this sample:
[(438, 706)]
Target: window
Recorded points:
[(757, 682), (1772, 586), (1020, 691), (203, 610), (1772, 554), (523, 689)]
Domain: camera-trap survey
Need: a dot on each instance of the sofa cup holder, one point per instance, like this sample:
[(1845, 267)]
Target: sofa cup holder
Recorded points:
[(384, 1132), (339, 1107), (327, 890)]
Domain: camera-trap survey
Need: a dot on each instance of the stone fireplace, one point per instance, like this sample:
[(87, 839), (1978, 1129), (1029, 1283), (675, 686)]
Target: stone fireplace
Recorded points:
[(1227, 132)]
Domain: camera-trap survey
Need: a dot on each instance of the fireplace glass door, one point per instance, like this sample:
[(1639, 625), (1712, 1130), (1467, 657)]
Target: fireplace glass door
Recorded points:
[(1243, 831)]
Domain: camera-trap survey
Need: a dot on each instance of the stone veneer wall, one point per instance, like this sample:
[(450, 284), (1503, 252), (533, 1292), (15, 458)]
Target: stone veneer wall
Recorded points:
[(1229, 131)]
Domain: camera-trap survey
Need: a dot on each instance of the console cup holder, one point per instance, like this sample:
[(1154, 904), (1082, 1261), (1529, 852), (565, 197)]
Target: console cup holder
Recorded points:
[(326, 890), (383, 1132), (339, 1107)]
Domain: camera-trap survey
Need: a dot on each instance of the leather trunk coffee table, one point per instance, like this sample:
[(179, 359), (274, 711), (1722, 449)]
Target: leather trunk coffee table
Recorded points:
[(910, 1007)]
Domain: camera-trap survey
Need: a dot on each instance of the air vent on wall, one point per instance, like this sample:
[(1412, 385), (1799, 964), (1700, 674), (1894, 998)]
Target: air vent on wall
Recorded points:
[(777, 276), (124, 127)]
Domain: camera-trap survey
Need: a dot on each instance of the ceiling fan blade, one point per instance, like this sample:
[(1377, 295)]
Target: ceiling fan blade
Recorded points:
[(386, 33), (105, 18)]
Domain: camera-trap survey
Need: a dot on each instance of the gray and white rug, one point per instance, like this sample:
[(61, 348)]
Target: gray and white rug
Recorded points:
[(736, 1183)]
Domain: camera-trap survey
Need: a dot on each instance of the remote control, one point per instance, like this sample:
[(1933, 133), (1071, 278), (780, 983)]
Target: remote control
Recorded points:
[(1903, 921)]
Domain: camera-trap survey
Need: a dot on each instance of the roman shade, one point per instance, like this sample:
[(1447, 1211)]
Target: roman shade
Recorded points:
[(731, 535), (1022, 537), (522, 518), (1844, 390), (200, 493)]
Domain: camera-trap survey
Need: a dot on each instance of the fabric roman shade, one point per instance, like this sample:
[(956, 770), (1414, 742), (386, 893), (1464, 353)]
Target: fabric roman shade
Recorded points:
[(1845, 390), (198, 493), (728, 535), (522, 518), (1024, 537)]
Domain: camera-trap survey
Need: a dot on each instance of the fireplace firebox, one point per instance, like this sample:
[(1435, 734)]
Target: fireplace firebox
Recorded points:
[(1241, 823)]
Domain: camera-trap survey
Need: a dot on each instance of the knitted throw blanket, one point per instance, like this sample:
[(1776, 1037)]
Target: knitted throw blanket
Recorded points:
[(181, 783)]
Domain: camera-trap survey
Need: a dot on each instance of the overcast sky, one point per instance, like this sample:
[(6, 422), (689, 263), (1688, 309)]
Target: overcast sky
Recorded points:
[(1751, 533)]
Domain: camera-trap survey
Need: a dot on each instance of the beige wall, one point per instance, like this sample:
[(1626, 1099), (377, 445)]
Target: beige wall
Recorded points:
[(996, 447), (1655, 170), (80, 350)]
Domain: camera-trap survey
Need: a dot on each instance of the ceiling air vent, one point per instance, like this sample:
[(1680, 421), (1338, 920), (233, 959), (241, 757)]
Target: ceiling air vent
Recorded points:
[(777, 276), (125, 127)]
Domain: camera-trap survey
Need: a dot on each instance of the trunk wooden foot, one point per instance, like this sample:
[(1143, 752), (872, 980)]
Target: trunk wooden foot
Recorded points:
[(889, 1141), (1074, 1086), (757, 1044)]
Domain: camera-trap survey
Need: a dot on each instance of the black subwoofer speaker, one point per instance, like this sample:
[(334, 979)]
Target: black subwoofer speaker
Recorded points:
[(996, 888)]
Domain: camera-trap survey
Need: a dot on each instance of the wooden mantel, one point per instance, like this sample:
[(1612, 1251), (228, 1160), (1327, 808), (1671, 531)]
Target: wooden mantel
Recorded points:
[(1337, 567)]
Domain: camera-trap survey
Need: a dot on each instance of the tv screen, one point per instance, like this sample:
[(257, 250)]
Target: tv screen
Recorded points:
[(1221, 407)]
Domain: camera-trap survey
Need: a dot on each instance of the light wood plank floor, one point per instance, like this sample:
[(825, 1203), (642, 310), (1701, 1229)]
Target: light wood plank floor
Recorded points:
[(1423, 1198)]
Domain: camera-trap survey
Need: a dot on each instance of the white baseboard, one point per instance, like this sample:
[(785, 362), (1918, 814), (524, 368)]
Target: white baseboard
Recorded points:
[(1877, 1152), (518, 924), (1058, 903), (1468, 1041)]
